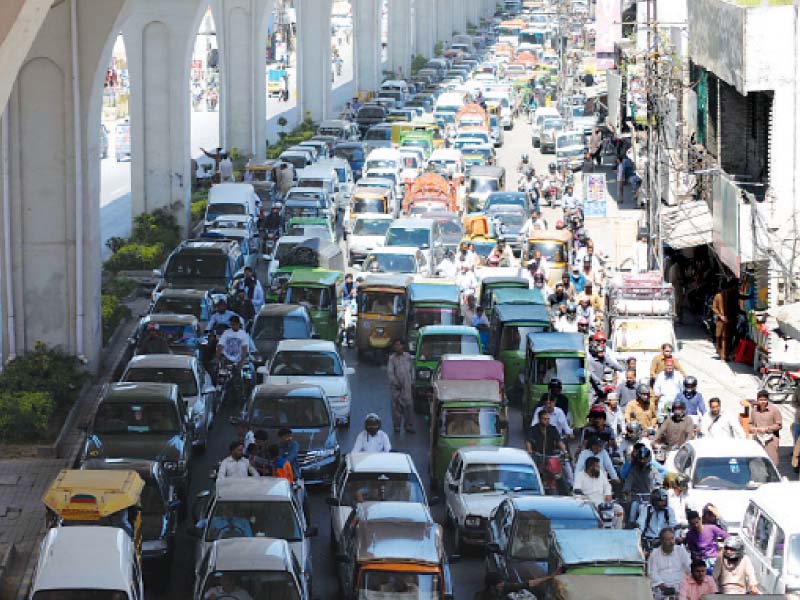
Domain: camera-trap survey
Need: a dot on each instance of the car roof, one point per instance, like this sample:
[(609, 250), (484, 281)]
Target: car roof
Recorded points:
[(282, 310), (287, 390), (162, 361), (397, 531), (419, 223), (521, 312), (307, 345), (148, 392), (233, 489), (607, 545), (557, 342), (104, 561), (494, 455), (183, 293), (251, 554), (455, 390), (380, 462), (724, 448), (555, 507), (772, 497), (448, 329)]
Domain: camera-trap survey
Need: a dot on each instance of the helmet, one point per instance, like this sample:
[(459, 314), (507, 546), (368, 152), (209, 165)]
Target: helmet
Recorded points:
[(372, 419), (555, 383), (583, 324), (633, 431), (641, 453), (682, 481), (678, 409), (658, 495), (690, 385), (597, 410), (572, 310), (559, 224), (599, 337), (552, 166), (733, 548), (643, 392)]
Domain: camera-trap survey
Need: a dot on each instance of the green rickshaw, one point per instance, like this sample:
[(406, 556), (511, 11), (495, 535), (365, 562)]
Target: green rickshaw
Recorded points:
[(433, 342), (431, 303), (319, 290), (489, 282), (306, 255), (556, 356), (464, 413), (514, 295), (382, 312), (610, 553), (510, 326), (297, 226)]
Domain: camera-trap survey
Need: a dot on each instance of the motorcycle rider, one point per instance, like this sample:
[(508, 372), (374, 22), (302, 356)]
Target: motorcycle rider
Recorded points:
[(584, 327), (524, 167), (568, 323), (539, 283), (373, 438), (221, 316), (632, 436), (678, 494), (558, 418), (593, 483), (667, 565), (596, 447), (585, 310), (734, 574), (695, 405), (642, 409), (598, 362), (534, 223), (677, 429), (572, 206), (655, 517), (614, 417), (640, 479), (554, 391), (701, 539), (557, 298), (667, 386), (273, 222), (235, 343), (597, 426), (626, 389)]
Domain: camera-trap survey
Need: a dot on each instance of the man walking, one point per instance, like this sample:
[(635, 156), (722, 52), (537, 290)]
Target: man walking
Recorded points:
[(765, 424), (400, 370), (718, 425)]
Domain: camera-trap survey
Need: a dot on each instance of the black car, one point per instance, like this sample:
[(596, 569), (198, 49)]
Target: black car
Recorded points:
[(201, 264), (276, 322), (519, 529), (160, 508), (369, 115), (305, 410)]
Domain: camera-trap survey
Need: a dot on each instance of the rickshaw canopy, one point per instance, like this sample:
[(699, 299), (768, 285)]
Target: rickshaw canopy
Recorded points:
[(470, 369), (557, 342), (433, 292), (467, 391), (92, 494)]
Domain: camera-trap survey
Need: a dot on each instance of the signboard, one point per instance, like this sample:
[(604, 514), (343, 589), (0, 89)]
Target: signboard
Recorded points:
[(594, 194), (608, 20), (725, 215)]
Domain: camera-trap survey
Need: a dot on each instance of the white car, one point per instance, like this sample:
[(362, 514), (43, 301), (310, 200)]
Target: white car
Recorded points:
[(369, 231), (372, 476), (396, 259), (476, 482), (313, 362), (724, 473)]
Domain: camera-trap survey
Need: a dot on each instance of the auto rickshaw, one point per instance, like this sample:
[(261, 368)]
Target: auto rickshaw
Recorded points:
[(472, 367), (515, 295), (510, 326), (464, 413), (431, 303), (97, 497), (559, 356), (368, 200), (382, 312), (263, 175), (319, 289), (433, 342), (308, 255), (494, 278), (555, 246)]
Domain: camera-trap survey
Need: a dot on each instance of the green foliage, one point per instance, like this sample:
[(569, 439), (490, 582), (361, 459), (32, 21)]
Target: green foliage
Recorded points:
[(472, 29), (418, 63), (438, 49), (45, 370), (305, 130), (199, 209), (282, 122), (158, 227), (136, 257), (25, 416), (153, 236), (113, 313), (122, 287)]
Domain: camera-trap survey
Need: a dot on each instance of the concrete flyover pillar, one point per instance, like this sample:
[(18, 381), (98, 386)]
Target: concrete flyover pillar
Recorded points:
[(50, 183), (424, 27), (158, 40), (444, 21), (241, 36), (401, 36), (314, 57), (459, 12), (367, 44)]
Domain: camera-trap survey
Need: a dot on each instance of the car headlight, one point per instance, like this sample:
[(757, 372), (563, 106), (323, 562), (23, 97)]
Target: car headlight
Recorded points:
[(472, 521), (175, 466), (424, 373)]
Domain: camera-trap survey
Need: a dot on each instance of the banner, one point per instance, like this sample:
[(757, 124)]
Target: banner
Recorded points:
[(594, 194), (608, 19)]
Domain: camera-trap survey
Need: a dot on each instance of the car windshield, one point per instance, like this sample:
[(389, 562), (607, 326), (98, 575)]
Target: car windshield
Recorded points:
[(317, 298), (514, 220), (733, 473), (569, 370), (531, 534), (411, 237), (294, 412), (381, 487), (349, 154), (497, 200), (183, 378), (573, 139), (552, 125), (224, 208), (398, 585), (642, 336), (179, 306), (377, 163), (378, 134), (73, 594), (422, 317), (238, 519), (371, 226), (371, 113), (176, 335), (479, 479), (483, 185), (433, 347), (450, 229), (311, 183), (369, 205), (552, 251), (190, 265), (390, 263), (310, 363), (142, 417), (514, 337), (305, 195), (273, 328), (469, 422), (244, 585)]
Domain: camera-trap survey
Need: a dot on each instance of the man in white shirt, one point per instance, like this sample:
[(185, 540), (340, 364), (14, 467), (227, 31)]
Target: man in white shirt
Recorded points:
[(668, 384), (558, 418), (593, 483), (447, 268), (535, 223), (597, 450), (373, 438), (466, 281), (236, 465), (226, 169), (718, 425), (667, 565), (235, 343)]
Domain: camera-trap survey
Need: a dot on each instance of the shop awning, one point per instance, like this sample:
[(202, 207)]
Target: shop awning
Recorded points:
[(687, 225)]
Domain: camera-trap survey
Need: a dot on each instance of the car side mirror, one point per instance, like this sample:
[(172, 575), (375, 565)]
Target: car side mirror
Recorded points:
[(349, 371), (453, 487), (312, 531), (156, 272), (493, 548), (332, 501)]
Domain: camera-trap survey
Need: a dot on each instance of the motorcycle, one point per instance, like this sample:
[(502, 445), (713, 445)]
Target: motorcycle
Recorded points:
[(552, 191), (611, 515), (781, 384), (551, 468), (348, 323)]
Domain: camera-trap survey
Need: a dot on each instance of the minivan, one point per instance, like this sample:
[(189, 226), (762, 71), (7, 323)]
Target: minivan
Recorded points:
[(424, 234), (231, 199)]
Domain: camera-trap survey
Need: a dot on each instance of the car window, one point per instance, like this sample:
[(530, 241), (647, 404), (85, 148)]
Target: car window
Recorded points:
[(316, 364), (734, 473), (433, 347), (294, 412), (179, 306), (269, 585), (381, 487), (469, 422), (778, 548), (479, 479), (568, 370), (764, 528), (237, 519), (183, 378), (143, 418), (749, 521), (272, 328)]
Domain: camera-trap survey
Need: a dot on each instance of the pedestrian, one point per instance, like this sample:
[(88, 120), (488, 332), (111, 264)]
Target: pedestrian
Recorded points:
[(765, 424), (281, 467), (595, 146), (724, 320), (290, 449), (400, 370), (697, 583), (718, 425), (235, 465), (226, 169)]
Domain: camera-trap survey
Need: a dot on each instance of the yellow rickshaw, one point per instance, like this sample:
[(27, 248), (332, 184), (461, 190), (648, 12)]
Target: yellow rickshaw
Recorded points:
[(263, 175), (478, 232), (555, 246), (368, 200), (97, 497), (382, 312)]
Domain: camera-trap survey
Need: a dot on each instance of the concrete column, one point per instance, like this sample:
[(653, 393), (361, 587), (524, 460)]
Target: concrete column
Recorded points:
[(367, 44), (459, 13), (401, 36), (50, 191), (241, 36), (424, 27), (159, 37), (444, 21), (314, 57)]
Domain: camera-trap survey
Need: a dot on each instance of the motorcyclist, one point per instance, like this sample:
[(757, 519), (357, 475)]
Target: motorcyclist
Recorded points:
[(524, 165), (677, 429), (235, 343), (655, 517), (568, 323), (572, 206), (598, 362), (734, 574), (221, 316), (554, 391), (273, 221), (373, 438), (583, 326), (640, 479), (598, 427), (596, 447), (642, 409), (153, 342), (678, 498), (695, 404), (633, 435)]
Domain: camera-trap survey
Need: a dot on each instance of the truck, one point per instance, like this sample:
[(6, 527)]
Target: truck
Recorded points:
[(640, 308), (433, 192)]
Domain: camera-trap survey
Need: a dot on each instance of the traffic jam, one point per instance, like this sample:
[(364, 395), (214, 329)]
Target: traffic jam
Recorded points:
[(394, 364)]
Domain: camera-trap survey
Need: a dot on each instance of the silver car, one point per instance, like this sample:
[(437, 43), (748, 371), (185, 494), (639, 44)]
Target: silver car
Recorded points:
[(550, 130)]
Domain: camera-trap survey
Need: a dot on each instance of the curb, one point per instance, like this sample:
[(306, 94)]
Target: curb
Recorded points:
[(6, 555)]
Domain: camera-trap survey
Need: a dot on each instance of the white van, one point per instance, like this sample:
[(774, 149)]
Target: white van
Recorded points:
[(344, 183), (395, 85), (231, 199), (542, 113), (83, 561), (321, 176), (771, 535)]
